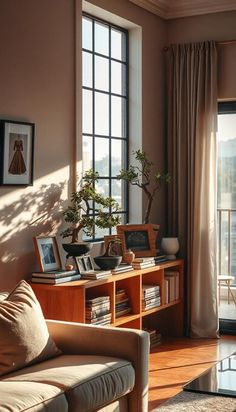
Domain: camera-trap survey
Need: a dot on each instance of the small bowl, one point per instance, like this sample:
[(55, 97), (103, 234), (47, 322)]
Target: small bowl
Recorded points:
[(107, 262)]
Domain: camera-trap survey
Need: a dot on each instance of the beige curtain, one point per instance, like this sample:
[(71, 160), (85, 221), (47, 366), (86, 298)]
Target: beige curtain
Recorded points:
[(192, 120)]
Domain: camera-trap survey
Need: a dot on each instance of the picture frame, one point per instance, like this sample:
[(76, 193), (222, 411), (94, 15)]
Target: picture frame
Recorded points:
[(141, 238), (113, 245), (16, 153), (84, 263), (47, 253)]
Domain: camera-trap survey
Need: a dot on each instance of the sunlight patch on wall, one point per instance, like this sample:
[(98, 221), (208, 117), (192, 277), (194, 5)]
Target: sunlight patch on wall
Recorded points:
[(38, 207)]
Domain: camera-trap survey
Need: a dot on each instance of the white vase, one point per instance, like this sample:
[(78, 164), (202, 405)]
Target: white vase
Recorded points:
[(170, 245)]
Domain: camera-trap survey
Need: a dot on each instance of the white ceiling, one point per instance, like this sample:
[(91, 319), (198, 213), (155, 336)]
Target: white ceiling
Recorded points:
[(171, 9)]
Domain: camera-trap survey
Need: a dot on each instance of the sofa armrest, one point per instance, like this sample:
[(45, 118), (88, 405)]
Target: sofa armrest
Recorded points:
[(130, 344)]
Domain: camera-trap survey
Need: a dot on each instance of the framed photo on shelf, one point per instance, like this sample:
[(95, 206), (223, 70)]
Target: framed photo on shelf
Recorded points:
[(16, 153), (47, 253), (84, 263), (141, 239), (113, 245)]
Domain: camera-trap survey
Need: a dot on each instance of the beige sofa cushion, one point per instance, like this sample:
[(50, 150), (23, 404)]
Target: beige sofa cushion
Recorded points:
[(24, 335), (90, 382), (20, 396), (3, 295)]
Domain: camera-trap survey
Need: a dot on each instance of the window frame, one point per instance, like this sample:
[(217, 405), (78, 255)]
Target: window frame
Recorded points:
[(125, 158)]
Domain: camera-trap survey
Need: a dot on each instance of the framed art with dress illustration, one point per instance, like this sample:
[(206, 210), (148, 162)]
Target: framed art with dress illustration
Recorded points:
[(16, 152)]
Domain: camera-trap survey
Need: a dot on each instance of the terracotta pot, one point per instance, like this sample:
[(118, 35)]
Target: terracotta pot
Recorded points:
[(129, 256)]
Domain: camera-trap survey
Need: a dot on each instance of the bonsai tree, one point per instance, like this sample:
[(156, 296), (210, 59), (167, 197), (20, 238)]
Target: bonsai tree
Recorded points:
[(81, 213), (142, 176)]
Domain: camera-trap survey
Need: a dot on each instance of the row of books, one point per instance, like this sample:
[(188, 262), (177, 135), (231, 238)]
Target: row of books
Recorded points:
[(147, 262), (171, 280), (122, 303), (61, 276), (155, 337), (151, 296), (98, 310)]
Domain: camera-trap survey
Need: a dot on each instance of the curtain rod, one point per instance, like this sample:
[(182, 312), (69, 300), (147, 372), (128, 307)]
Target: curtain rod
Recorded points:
[(222, 42)]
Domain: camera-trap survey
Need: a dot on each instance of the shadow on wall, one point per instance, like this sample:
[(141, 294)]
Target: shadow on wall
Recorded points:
[(32, 214)]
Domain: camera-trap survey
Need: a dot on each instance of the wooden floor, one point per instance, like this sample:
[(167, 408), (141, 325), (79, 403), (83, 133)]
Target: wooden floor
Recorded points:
[(179, 360)]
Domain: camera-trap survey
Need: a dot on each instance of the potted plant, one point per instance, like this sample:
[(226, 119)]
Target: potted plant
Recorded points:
[(142, 176), (82, 216)]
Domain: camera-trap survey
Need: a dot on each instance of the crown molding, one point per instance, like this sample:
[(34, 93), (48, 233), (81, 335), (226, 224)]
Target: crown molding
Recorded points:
[(172, 9), (158, 7)]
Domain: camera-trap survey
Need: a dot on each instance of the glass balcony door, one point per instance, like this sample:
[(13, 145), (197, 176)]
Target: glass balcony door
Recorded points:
[(226, 215)]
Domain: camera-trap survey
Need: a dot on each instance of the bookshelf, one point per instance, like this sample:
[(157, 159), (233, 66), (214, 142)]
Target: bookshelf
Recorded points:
[(67, 301)]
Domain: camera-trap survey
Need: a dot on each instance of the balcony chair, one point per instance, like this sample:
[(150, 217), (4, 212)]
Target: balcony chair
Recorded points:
[(226, 279)]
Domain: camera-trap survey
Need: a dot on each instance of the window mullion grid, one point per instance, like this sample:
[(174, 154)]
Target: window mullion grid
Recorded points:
[(93, 108), (125, 112), (126, 191), (110, 165)]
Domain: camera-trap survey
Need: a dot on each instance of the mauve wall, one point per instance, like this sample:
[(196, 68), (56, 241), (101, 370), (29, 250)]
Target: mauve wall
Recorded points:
[(219, 27), (37, 84)]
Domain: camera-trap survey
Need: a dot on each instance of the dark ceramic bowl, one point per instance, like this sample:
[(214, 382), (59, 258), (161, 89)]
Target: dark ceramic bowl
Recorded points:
[(77, 249), (107, 262)]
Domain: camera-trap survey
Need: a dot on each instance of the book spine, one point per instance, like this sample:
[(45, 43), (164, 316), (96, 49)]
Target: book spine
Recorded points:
[(96, 313), (98, 306), (55, 275), (100, 299), (56, 281)]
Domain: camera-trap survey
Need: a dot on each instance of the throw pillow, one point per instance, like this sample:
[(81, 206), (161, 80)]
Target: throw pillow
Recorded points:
[(24, 337)]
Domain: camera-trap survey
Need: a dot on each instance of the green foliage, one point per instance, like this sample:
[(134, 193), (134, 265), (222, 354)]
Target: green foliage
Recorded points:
[(80, 212), (141, 175)]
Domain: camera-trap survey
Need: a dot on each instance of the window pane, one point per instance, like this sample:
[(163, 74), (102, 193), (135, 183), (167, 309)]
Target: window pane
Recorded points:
[(101, 39), (226, 161), (118, 78), (102, 186), (122, 222), (87, 111), (118, 49), (87, 70), (116, 191), (116, 156), (87, 153), (87, 36), (102, 156), (100, 233), (101, 114), (101, 73), (118, 127)]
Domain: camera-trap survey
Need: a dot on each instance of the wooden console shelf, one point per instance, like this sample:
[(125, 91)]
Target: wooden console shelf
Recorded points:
[(66, 301)]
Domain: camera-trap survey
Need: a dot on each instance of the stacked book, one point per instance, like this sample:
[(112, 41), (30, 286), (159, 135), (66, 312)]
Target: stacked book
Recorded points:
[(55, 276), (95, 274), (155, 337), (123, 267), (143, 262), (151, 296), (171, 280), (97, 310), (160, 258), (122, 303)]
